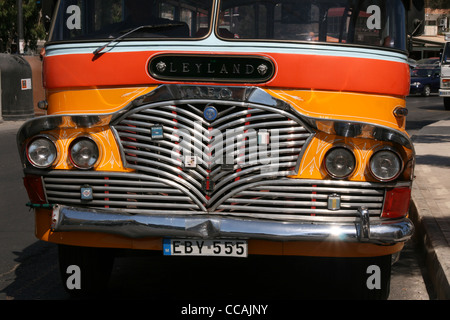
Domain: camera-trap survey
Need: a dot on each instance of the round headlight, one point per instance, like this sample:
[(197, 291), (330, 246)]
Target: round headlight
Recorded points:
[(41, 152), (83, 153), (385, 165), (340, 162)]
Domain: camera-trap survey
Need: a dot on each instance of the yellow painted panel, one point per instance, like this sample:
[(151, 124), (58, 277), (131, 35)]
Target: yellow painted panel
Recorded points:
[(92, 100), (369, 108), (312, 166), (110, 158)]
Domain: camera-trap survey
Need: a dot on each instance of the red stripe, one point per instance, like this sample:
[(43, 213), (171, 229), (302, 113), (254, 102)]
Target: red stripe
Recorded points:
[(313, 199)]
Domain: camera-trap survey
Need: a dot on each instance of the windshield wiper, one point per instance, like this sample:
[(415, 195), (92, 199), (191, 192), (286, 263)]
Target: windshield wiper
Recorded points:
[(159, 26)]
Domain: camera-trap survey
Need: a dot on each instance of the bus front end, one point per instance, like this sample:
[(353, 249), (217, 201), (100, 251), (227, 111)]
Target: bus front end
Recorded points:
[(444, 90), (228, 128)]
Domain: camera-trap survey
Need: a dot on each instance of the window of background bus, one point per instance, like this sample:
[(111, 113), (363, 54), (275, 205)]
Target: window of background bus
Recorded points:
[(366, 22), (446, 54)]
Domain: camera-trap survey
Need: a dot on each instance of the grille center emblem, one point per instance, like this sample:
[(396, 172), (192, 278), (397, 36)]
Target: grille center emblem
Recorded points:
[(210, 113)]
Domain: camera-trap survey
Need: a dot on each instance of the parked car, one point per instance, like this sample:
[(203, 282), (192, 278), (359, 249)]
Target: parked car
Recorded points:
[(425, 80), (412, 63), (432, 62)]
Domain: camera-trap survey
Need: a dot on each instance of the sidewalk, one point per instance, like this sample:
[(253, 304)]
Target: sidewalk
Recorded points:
[(10, 125), (430, 208)]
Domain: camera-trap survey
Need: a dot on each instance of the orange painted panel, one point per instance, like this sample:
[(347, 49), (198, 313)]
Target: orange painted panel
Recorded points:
[(301, 71)]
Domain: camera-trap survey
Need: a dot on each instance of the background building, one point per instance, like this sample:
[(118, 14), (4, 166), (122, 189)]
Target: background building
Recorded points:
[(431, 43)]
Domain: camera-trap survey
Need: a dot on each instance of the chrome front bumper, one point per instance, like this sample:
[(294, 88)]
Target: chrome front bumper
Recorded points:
[(384, 232)]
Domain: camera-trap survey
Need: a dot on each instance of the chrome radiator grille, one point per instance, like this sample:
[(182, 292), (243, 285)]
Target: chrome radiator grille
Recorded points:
[(236, 164), (244, 144), (298, 197), (282, 198), (130, 192)]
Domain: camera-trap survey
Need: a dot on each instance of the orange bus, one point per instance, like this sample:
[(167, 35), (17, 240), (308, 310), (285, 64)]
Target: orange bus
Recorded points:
[(223, 128)]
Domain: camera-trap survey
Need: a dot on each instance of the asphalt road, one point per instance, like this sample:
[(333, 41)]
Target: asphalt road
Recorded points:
[(29, 269), (424, 111)]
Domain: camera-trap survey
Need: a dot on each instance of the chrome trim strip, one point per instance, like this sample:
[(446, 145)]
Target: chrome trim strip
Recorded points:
[(353, 129), (70, 219), (248, 47)]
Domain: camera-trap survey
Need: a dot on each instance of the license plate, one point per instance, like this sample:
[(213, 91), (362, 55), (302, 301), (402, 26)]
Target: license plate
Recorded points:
[(193, 247)]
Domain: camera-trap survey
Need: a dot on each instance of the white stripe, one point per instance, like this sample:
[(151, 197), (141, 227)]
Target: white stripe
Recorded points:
[(213, 44)]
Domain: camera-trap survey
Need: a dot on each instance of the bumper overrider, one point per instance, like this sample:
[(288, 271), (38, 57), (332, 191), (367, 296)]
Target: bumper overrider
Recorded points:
[(66, 218)]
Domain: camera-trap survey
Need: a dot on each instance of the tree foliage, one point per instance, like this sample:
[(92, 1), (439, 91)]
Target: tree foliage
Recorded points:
[(32, 24), (438, 4)]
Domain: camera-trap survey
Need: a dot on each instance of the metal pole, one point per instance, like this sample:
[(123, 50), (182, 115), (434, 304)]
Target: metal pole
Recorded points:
[(21, 39)]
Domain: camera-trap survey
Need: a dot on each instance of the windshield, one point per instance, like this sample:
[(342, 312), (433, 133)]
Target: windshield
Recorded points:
[(108, 19), (446, 54), (421, 73), (378, 23), (363, 22)]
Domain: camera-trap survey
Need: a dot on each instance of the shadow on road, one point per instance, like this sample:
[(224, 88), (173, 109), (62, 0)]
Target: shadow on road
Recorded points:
[(256, 277), (433, 160), (156, 278), (417, 124), (37, 275)]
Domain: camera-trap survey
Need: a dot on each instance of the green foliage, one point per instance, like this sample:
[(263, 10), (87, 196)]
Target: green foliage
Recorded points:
[(32, 24), (438, 4)]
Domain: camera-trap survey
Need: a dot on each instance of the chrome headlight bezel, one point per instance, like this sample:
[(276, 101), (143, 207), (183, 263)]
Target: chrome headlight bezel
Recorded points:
[(394, 158), (91, 151), (347, 162), (47, 143)]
